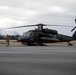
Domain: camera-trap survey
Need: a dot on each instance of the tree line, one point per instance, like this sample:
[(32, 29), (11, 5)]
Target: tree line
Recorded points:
[(12, 37)]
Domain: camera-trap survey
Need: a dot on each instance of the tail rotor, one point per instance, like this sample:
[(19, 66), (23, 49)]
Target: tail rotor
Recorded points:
[(74, 35)]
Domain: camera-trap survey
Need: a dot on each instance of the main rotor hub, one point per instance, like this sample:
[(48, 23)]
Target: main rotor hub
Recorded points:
[(40, 26)]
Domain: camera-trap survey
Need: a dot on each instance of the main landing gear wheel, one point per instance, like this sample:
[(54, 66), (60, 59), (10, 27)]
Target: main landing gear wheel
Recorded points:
[(29, 44), (41, 44)]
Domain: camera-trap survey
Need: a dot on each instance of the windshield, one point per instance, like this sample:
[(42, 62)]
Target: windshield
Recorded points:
[(27, 34)]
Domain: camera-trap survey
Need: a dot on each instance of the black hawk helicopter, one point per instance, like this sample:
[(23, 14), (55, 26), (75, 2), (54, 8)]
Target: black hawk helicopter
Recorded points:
[(40, 35)]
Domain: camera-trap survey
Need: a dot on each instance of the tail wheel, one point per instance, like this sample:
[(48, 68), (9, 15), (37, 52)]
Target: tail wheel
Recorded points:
[(70, 44)]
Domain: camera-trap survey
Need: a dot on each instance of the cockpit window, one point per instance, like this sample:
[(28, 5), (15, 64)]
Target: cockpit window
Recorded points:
[(28, 34), (24, 34)]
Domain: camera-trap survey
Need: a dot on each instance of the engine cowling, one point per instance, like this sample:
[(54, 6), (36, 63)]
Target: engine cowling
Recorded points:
[(49, 31)]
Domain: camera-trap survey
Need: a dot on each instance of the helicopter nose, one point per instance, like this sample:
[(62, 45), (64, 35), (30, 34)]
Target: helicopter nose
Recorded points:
[(22, 39)]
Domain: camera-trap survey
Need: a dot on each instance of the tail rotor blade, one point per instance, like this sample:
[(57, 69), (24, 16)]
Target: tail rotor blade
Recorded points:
[(75, 20), (73, 29)]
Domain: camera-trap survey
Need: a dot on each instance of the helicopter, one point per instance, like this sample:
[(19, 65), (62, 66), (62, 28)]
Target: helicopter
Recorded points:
[(41, 35)]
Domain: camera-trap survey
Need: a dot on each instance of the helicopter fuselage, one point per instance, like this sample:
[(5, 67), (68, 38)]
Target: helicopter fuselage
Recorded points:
[(37, 36)]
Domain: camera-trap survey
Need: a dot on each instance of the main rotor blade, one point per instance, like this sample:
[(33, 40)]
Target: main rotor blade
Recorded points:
[(36, 25), (60, 25), (19, 27)]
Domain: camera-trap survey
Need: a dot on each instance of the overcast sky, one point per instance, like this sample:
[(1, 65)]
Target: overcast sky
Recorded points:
[(27, 12)]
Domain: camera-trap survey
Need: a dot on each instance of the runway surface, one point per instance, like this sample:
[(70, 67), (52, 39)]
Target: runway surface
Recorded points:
[(38, 60)]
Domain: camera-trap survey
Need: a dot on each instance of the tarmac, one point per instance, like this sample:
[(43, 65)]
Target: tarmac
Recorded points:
[(54, 59)]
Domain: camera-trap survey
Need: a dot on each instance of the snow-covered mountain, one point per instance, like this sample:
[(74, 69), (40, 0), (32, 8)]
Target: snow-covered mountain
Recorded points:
[(9, 32)]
